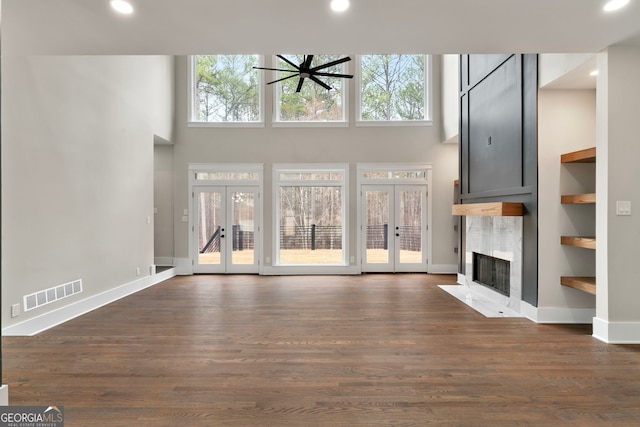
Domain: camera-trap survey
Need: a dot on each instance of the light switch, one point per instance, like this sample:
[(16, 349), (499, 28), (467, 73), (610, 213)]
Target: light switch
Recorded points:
[(623, 207), (185, 219), (185, 212)]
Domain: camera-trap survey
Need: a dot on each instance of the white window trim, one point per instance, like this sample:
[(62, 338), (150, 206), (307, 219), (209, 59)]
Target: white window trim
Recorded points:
[(428, 86), (342, 168), (277, 123), (191, 62)]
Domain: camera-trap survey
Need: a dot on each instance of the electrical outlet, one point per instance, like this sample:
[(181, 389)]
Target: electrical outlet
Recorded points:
[(623, 207), (137, 271), (15, 310), (267, 260)]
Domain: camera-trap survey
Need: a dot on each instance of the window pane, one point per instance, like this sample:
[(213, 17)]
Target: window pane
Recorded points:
[(392, 87), (311, 176), (311, 225), (422, 175), (313, 102), (226, 176), (227, 88)]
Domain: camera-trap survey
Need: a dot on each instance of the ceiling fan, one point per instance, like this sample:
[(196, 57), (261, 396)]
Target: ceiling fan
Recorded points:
[(305, 71)]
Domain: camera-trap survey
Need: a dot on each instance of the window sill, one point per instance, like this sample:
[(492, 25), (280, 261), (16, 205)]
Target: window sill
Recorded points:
[(225, 124), (292, 124), (398, 123)]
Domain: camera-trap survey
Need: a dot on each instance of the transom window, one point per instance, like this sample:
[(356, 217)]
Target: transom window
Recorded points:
[(225, 89), (393, 89), (314, 103), (311, 212)]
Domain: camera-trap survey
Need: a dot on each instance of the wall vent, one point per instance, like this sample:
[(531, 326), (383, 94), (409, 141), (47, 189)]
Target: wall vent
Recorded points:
[(40, 298)]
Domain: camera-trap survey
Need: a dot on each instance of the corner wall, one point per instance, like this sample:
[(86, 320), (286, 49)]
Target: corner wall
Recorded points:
[(618, 144), (77, 172), (566, 122)]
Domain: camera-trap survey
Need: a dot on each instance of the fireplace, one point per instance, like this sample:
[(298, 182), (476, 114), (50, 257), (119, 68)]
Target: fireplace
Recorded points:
[(492, 272), (494, 242)]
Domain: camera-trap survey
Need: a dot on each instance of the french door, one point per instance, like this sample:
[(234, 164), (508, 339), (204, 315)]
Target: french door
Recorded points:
[(225, 232), (394, 228)]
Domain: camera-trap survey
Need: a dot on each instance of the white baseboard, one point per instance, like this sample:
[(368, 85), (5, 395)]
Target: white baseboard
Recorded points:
[(462, 279), (557, 314), (58, 316), (184, 267), (616, 332), (442, 269), (4, 395)]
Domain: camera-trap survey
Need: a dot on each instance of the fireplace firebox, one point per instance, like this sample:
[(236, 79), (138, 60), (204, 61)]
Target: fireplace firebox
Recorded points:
[(491, 272)]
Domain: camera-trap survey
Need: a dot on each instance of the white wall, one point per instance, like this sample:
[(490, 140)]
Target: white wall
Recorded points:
[(163, 203), (450, 98), (318, 145), (77, 171), (566, 122), (618, 145)]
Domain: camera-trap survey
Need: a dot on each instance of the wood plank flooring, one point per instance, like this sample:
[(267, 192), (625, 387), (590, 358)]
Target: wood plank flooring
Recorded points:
[(370, 350)]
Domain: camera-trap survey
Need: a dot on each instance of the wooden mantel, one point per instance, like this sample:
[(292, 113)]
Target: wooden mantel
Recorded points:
[(488, 209)]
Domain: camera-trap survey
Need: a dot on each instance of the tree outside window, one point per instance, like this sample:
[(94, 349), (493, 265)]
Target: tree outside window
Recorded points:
[(227, 88), (313, 102), (392, 88)]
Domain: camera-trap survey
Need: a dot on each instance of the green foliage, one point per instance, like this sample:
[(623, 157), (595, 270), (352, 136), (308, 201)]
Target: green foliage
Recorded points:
[(227, 88), (393, 87), (313, 102)]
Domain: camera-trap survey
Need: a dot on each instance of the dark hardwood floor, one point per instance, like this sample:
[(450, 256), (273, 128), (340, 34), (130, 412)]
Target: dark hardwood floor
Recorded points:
[(370, 350)]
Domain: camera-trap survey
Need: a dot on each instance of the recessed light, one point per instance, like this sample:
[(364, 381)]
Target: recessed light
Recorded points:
[(615, 5), (122, 6), (593, 73), (339, 5)]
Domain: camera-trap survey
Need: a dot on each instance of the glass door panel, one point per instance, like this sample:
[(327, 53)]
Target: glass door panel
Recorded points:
[(377, 227), (377, 232), (209, 221), (242, 237), (410, 227)]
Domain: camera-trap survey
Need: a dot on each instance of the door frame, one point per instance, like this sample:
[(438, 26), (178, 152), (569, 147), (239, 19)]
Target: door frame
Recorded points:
[(423, 176), (251, 175)]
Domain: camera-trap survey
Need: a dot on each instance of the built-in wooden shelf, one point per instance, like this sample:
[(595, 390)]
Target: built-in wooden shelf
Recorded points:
[(488, 209), (577, 199), (587, 242), (586, 284), (582, 156)]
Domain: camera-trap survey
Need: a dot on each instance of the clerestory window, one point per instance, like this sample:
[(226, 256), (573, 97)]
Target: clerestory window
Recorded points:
[(225, 90), (313, 103), (393, 89)]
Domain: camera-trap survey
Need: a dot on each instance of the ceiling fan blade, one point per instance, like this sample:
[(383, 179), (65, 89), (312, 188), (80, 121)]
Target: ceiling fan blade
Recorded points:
[(275, 69), (331, 64), (320, 82), (307, 62), (344, 76), (288, 62), (300, 84), (284, 78)]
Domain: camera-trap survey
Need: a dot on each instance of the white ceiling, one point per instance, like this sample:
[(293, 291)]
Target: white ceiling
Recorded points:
[(308, 26)]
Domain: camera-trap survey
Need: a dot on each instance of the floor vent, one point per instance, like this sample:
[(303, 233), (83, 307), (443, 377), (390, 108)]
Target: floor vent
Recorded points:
[(40, 298)]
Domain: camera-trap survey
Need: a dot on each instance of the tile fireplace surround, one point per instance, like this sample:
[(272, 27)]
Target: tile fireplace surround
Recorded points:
[(498, 237)]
